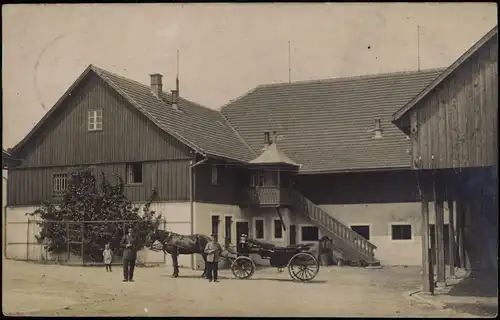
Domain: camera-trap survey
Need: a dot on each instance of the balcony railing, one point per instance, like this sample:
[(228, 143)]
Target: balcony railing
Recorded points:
[(266, 196)]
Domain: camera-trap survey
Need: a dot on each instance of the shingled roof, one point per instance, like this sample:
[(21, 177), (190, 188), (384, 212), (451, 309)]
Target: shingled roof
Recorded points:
[(273, 155), (326, 125), (203, 129)]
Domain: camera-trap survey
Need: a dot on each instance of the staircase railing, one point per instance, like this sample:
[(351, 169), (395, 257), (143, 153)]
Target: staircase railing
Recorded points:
[(316, 214)]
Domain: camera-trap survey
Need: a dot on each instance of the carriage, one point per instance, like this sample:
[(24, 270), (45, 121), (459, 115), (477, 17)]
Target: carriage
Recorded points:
[(302, 265)]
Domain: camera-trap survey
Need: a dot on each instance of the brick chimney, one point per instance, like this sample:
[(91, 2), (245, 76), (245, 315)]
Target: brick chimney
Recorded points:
[(156, 84)]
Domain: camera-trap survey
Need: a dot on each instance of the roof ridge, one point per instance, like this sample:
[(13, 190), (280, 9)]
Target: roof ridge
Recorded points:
[(450, 69), (236, 132), (239, 97), (358, 77), (144, 111), (145, 85)]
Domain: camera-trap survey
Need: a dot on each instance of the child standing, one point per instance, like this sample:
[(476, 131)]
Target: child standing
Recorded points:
[(107, 254)]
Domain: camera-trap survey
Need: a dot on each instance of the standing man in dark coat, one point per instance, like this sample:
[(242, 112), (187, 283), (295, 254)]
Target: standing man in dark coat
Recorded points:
[(129, 245)]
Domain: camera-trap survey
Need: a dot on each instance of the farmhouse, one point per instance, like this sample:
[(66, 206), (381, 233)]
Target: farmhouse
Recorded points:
[(286, 163)]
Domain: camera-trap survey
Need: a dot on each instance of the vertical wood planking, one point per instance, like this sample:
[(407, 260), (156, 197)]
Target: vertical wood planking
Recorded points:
[(33, 185), (415, 143), (127, 134), (477, 111), (442, 137), (468, 101)]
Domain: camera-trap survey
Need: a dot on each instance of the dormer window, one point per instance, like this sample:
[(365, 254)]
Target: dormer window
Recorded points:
[(95, 120)]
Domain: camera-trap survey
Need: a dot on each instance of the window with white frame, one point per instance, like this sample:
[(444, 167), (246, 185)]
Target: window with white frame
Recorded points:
[(309, 233), (95, 120), (134, 173), (215, 175), (401, 232), (259, 228), (60, 183), (278, 229)]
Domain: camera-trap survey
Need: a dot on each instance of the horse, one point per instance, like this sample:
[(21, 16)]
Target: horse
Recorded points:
[(176, 244)]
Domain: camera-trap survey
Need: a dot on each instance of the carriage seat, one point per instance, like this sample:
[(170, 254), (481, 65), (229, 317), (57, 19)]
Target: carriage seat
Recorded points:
[(270, 246)]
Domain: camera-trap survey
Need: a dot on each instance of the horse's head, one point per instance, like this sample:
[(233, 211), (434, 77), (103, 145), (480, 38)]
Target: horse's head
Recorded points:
[(154, 239)]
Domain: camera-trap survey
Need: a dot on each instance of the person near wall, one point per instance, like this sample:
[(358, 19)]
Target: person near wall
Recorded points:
[(129, 245), (107, 255), (213, 251)]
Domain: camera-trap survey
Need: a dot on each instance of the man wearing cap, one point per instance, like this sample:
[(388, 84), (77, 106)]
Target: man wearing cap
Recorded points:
[(129, 245), (213, 251)]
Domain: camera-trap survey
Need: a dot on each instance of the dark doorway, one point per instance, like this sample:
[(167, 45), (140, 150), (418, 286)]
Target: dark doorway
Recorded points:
[(293, 234), (242, 227)]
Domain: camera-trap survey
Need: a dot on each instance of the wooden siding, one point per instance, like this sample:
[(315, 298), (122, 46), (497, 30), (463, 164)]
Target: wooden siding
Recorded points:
[(228, 191), (126, 135), (456, 125), (357, 188), (32, 185)]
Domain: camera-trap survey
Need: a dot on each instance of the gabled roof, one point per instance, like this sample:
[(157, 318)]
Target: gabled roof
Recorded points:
[(273, 155), (326, 125), (401, 112), (204, 130)]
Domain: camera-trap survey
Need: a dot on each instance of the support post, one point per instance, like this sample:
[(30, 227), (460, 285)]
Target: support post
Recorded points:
[(68, 242), (440, 263), (451, 236), (432, 263), (460, 231), (83, 246), (28, 240), (426, 260), (164, 254), (468, 212)]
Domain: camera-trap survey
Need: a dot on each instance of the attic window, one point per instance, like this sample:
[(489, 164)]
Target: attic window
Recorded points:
[(95, 120)]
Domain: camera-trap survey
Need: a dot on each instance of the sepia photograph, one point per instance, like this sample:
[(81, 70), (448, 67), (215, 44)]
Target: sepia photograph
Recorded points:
[(250, 160)]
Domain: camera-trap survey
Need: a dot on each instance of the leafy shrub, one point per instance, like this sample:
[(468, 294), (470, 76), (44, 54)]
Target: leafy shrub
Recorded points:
[(84, 201)]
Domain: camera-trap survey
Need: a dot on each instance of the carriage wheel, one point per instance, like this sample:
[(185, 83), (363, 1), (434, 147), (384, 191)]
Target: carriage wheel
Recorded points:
[(243, 267), (303, 267)]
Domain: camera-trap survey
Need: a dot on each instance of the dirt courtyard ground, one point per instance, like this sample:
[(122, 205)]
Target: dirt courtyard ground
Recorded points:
[(32, 289)]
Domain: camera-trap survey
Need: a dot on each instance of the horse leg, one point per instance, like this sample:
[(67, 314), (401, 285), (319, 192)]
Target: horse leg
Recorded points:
[(205, 270), (175, 263)]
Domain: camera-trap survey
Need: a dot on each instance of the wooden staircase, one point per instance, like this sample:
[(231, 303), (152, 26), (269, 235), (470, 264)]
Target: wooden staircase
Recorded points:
[(352, 246)]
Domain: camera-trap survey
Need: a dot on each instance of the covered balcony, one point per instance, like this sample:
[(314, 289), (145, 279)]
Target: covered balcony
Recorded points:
[(270, 179)]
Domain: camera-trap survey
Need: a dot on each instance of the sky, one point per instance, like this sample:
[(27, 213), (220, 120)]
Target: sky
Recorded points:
[(225, 49)]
